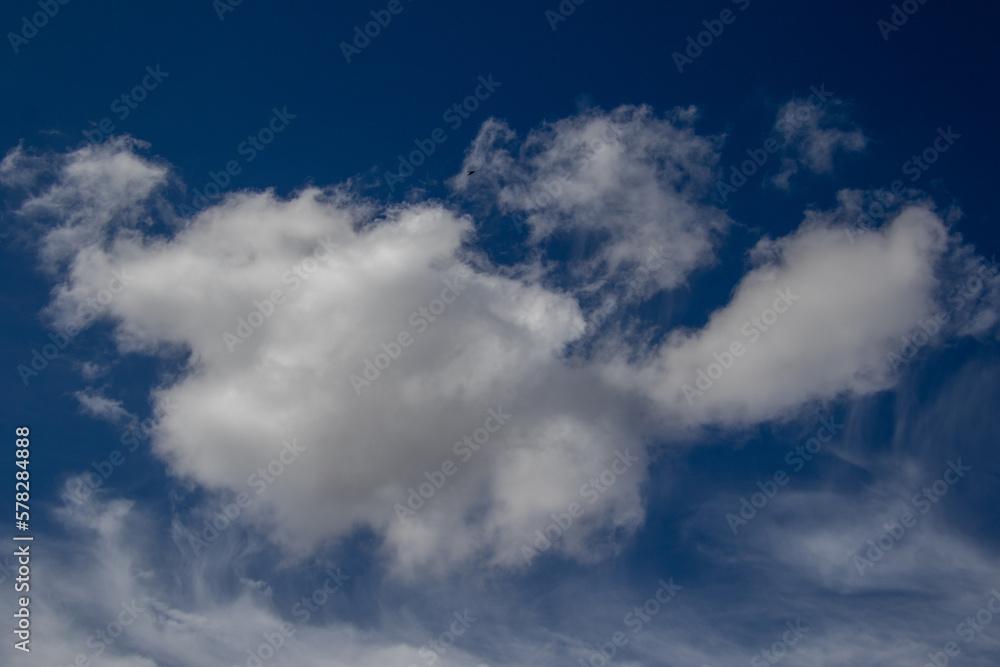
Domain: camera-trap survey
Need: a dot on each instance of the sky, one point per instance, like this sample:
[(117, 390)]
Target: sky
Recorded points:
[(500, 335)]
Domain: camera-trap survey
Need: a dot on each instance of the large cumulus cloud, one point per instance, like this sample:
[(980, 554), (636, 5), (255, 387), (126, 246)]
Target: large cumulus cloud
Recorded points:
[(375, 338)]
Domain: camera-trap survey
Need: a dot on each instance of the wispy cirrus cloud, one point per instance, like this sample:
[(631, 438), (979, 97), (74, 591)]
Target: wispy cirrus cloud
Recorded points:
[(816, 314)]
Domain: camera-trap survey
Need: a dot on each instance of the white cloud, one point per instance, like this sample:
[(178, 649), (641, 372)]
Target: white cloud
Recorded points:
[(496, 345), (810, 138), (95, 187), (109, 600), (846, 305), (616, 183), (97, 405), (184, 616), (355, 277)]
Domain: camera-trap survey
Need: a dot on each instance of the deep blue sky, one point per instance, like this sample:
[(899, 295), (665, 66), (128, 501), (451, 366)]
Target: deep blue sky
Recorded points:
[(225, 76), (352, 120)]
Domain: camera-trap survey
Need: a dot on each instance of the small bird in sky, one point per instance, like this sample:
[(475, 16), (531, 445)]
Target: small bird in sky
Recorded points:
[(472, 172)]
